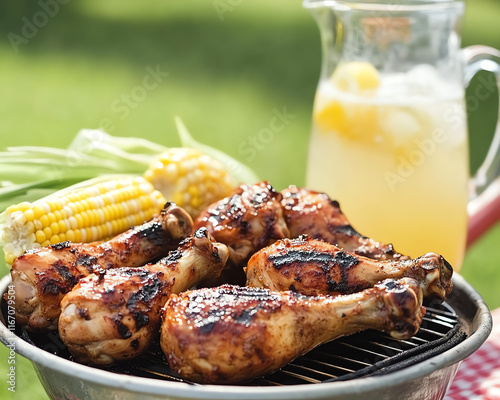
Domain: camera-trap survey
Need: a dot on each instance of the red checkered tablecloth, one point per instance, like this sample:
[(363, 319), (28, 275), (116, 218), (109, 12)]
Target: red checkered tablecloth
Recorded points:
[(478, 377)]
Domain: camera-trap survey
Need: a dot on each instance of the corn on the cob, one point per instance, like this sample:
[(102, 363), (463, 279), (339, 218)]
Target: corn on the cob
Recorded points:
[(92, 213), (190, 178)]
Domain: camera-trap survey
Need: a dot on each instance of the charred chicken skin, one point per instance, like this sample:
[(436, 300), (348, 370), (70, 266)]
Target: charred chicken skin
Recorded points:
[(315, 214), (313, 267), (43, 276), (246, 221), (230, 334), (115, 314)]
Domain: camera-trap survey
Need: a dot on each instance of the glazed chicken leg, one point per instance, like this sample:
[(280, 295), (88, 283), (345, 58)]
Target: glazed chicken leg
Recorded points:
[(315, 214), (313, 267), (115, 315), (246, 221), (42, 276), (231, 334)]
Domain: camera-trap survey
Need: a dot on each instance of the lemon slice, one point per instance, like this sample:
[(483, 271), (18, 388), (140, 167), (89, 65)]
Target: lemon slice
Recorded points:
[(356, 77), (332, 118)]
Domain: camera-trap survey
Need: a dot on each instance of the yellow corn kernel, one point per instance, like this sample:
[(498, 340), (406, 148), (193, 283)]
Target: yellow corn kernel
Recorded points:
[(40, 236), (44, 219), (78, 236), (54, 239), (28, 214), (70, 235), (47, 232), (54, 228)]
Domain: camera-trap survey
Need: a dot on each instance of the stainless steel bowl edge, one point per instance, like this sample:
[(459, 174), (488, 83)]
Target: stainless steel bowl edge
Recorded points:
[(428, 379)]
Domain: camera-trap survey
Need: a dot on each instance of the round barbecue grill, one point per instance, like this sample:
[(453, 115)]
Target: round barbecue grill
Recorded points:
[(366, 365)]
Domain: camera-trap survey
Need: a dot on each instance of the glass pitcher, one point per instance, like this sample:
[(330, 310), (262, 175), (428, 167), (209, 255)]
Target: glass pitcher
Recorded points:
[(389, 135)]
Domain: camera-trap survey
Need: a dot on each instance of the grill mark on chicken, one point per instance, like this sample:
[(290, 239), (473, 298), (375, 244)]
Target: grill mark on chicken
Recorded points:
[(100, 273), (337, 279), (155, 234), (229, 211), (141, 319), (347, 230), (391, 285), (121, 328), (206, 325), (172, 257), (336, 282), (52, 283), (51, 287), (147, 292), (62, 245), (300, 256), (341, 286), (246, 316), (141, 273), (200, 307), (262, 197), (344, 260), (64, 272), (86, 261)]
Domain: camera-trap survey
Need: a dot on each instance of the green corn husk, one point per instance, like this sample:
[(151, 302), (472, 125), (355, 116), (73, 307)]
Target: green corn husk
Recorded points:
[(28, 173)]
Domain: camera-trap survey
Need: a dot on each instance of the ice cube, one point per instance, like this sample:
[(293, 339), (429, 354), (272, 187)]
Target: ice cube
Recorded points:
[(399, 124), (425, 80)]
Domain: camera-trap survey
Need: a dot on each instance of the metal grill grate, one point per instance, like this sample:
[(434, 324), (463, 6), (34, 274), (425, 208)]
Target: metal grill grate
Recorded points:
[(367, 353)]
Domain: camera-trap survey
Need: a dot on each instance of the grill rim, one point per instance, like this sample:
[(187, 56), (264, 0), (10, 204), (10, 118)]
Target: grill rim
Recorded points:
[(481, 325)]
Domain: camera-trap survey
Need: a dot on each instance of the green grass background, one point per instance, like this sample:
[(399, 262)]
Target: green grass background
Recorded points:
[(225, 78)]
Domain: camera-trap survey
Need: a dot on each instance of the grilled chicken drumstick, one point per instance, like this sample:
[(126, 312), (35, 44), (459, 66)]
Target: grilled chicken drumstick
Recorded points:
[(313, 267), (115, 315), (246, 221), (42, 276), (230, 334), (315, 214)]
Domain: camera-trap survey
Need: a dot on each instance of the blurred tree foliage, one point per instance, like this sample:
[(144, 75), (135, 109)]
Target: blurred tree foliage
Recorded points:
[(13, 12)]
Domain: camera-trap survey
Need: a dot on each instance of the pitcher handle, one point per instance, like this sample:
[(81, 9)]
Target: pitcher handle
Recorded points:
[(484, 58)]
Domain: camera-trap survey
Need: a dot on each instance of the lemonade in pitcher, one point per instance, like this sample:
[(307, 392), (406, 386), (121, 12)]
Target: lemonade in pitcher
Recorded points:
[(406, 135)]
